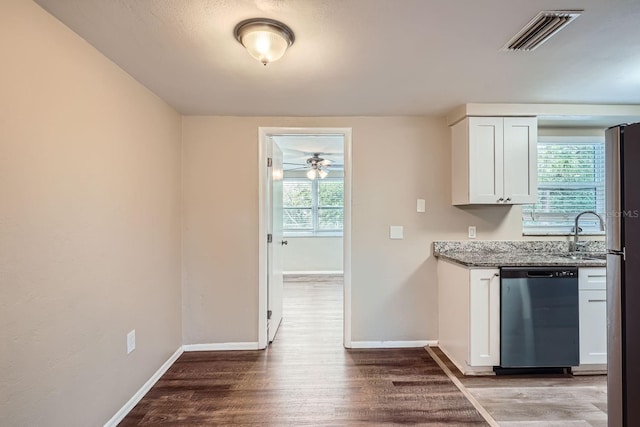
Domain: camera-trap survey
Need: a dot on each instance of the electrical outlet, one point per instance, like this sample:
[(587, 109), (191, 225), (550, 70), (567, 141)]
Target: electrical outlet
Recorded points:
[(472, 231), (421, 206), (131, 341), (396, 232)]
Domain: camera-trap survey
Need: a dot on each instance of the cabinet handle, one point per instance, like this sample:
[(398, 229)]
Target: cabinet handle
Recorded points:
[(500, 200), (508, 199), (597, 300), (496, 275)]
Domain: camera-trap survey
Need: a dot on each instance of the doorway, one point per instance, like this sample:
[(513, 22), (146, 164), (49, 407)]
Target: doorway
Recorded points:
[(270, 279)]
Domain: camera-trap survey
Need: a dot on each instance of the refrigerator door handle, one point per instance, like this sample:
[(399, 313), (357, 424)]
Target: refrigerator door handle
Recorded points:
[(613, 172)]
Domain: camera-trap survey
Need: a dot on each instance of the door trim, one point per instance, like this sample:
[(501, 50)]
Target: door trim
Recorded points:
[(263, 205)]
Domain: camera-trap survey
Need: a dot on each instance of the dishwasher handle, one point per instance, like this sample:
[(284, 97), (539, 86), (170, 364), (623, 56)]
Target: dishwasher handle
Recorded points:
[(542, 273)]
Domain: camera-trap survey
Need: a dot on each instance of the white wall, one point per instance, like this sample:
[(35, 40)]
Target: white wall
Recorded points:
[(89, 226), (394, 277), (313, 255)]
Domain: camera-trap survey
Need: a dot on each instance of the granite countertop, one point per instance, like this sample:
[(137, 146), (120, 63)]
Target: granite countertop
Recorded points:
[(490, 253)]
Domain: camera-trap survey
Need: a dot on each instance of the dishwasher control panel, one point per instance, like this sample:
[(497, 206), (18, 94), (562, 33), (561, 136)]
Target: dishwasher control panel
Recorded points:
[(539, 272)]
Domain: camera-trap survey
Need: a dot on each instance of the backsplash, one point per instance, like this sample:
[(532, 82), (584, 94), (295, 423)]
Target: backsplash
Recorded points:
[(546, 246)]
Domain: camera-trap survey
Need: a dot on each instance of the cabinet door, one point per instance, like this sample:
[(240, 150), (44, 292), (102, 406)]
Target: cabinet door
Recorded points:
[(484, 317), (593, 315), (593, 327), (485, 159), (520, 160)]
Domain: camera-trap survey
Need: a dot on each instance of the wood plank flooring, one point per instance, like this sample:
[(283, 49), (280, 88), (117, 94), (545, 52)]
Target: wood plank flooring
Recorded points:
[(537, 401), (306, 378)]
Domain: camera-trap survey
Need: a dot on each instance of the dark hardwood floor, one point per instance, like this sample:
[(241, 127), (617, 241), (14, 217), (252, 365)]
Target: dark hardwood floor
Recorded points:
[(306, 378)]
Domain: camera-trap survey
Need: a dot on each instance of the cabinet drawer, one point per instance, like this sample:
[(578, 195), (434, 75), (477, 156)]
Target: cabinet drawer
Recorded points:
[(592, 278)]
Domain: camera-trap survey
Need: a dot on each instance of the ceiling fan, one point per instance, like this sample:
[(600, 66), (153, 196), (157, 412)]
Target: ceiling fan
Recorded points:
[(318, 166)]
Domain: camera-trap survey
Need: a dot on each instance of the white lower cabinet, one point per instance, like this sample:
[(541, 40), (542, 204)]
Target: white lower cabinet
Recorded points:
[(484, 317), (592, 287), (469, 316)]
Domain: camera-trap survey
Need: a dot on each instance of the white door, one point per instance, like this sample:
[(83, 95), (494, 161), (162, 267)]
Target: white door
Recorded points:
[(275, 248)]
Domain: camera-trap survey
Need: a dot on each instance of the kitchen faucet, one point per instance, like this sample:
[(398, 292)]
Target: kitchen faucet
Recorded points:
[(576, 245)]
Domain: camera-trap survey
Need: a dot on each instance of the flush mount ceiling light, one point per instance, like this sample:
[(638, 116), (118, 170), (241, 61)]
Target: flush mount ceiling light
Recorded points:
[(265, 39), (540, 29)]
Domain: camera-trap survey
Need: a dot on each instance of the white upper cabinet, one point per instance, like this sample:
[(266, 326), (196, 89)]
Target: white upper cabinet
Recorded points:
[(494, 160)]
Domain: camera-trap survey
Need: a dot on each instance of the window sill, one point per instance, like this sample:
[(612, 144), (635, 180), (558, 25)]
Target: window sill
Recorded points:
[(328, 234), (562, 233)]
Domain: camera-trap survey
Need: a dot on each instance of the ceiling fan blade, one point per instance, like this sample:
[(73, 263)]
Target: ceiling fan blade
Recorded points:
[(294, 164), (325, 162)]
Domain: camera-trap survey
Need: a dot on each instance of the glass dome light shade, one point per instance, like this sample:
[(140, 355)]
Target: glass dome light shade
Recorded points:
[(311, 174), (265, 39), (323, 173)]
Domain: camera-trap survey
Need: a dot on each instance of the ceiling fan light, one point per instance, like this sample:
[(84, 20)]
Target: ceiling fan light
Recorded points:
[(323, 173), (265, 39), (311, 174)]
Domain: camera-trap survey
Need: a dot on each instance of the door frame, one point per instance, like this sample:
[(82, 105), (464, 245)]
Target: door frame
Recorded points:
[(263, 209)]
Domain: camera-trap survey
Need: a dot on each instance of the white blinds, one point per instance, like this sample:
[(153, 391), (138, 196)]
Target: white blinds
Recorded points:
[(297, 195), (313, 207), (571, 179)]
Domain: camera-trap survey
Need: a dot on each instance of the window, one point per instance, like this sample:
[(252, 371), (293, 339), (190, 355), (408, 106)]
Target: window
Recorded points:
[(570, 180), (313, 207)]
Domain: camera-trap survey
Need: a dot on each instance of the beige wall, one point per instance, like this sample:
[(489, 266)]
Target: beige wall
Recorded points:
[(89, 226), (313, 254), (394, 281)]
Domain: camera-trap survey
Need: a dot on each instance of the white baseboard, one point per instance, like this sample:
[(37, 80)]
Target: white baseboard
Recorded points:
[(222, 346), (318, 272), (119, 416), (392, 344)]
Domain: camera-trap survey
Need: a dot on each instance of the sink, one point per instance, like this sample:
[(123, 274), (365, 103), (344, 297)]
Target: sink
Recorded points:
[(584, 256)]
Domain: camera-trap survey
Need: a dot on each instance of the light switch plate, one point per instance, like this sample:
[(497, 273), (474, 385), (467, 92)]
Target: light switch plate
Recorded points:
[(421, 205), (131, 341), (396, 232), (472, 231)]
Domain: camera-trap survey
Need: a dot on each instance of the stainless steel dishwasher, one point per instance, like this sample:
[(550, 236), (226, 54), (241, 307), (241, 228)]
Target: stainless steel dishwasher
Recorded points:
[(539, 326)]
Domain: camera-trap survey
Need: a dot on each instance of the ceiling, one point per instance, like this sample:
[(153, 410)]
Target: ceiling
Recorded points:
[(296, 149), (364, 57)]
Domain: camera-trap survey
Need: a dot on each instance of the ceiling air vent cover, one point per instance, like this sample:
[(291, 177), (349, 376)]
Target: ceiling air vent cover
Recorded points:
[(541, 28)]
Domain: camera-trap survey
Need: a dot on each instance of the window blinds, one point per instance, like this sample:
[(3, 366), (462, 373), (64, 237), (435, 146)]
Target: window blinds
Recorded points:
[(571, 179)]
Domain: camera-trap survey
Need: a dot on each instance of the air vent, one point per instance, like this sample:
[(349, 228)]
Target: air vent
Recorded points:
[(541, 28)]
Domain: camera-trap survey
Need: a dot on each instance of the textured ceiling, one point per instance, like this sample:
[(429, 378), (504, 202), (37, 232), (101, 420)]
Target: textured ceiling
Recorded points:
[(364, 57)]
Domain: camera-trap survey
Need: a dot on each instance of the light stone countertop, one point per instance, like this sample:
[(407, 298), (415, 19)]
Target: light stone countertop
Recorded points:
[(494, 253)]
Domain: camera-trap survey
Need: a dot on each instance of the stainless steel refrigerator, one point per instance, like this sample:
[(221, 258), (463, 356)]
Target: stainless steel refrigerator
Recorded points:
[(623, 274)]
